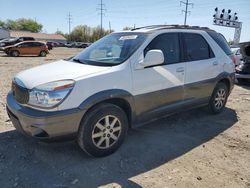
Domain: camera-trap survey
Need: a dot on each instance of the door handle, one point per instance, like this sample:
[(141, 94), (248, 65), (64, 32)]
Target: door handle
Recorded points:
[(215, 63), (180, 69)]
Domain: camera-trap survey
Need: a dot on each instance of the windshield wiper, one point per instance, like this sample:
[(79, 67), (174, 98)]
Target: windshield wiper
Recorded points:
[(78, 61)]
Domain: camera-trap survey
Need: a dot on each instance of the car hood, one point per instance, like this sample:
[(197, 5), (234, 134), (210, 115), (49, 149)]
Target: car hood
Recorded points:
[(60, 70)]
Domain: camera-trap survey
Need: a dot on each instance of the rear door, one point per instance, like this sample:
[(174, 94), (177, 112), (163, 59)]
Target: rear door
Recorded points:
[(201, 67), (157, 87), (36, 48)]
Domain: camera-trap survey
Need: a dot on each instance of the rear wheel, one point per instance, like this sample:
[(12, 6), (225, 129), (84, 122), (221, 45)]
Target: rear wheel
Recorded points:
[(219, 98), (43, 53), (103, 130), (14, 53)]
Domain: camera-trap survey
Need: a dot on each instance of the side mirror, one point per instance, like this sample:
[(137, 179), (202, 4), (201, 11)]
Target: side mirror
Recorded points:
[(153, 57)]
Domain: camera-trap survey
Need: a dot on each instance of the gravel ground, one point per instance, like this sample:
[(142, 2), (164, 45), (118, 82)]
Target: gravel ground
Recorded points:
[(190, 149)]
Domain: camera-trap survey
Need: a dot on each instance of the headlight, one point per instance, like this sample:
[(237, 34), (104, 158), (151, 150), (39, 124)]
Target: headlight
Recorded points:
[(50, 94)]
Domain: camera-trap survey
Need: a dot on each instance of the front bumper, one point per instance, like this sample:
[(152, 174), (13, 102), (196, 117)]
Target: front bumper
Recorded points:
[(43, 125), (243, 76)]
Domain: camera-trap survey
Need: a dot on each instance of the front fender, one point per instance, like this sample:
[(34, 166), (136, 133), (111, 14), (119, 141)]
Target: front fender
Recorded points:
[(107, 95)]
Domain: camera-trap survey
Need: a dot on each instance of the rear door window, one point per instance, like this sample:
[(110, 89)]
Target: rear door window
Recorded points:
[(196, 47)]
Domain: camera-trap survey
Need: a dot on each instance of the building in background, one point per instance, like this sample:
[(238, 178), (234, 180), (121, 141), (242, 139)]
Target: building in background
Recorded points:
[(4, 34), (38, 36)]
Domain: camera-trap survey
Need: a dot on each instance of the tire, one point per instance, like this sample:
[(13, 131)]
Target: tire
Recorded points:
[(7, 52), (43, 53), (94, 130), (218, 99), (14, 53)]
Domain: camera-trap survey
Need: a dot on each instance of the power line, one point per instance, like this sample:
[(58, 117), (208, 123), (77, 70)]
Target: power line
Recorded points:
[(101, 9), (186, 9)]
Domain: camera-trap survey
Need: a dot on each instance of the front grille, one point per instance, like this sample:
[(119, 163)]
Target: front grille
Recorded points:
[(21, 94)]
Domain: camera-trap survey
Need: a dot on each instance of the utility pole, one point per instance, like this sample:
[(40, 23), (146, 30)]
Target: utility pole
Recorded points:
[(101, 9), (109, 26), (69, 18), (69, 21), (186, 9)]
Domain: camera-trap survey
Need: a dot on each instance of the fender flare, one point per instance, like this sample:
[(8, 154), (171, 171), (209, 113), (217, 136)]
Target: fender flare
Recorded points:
[(107, 95)]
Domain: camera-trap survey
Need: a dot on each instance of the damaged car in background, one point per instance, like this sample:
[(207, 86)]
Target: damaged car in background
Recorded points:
[(243, 69)]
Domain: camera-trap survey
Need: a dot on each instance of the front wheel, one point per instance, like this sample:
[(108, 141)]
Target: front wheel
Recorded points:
[(14, 53), (103, 130), (219, 98)]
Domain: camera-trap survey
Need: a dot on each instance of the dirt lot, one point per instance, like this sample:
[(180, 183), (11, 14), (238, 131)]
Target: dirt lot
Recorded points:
[(191, 149)]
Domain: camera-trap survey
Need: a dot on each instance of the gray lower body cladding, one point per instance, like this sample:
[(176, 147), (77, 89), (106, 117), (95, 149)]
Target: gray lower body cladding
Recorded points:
[(43, 125), (172, 100)]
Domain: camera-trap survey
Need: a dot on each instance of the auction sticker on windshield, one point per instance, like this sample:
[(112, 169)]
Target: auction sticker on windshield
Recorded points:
[(128, 37)]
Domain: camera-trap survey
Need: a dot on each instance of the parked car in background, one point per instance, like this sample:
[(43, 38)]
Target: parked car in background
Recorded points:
[(243, 69), (82, 45), (69, 44), (50, 45), (77, 45), (4, 40), (237, 54), (27, 48), (60, 44), (13, 41)]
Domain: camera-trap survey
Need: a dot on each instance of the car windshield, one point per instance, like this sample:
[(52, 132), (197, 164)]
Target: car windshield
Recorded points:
[(111, 50)]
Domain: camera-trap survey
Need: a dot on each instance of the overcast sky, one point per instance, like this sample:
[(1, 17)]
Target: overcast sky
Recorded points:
[(53, 13)]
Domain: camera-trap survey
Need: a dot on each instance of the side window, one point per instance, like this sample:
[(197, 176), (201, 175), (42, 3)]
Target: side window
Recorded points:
[(24, 45), (36, 44), (29, 44), (196, 47), (168, 43)]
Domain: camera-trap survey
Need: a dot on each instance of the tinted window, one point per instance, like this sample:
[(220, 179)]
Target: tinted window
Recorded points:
[(36, 44), (196, 47), (168, 43), (24, 45), (30, 44), (27, 38), (221, 41)]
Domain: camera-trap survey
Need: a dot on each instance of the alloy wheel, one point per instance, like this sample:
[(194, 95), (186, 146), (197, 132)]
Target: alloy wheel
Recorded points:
[(106, 132), (220, 99)]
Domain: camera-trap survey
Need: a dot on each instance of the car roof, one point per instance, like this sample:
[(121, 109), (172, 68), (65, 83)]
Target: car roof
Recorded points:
[(27, 41)]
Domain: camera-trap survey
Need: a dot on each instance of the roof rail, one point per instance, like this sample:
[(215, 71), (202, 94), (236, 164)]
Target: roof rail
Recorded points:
[(173, 26)]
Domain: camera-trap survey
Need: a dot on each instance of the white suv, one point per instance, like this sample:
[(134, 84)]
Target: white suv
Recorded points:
[(122, 80)]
